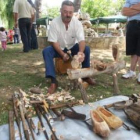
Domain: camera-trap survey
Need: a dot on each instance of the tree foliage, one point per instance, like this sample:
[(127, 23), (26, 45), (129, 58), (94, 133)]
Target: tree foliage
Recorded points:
[(96, 8), (51, 12), (6, 12), (101, 8)]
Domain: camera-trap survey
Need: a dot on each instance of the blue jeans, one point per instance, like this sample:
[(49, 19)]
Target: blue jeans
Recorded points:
[(25, 31), (16, 38), (49, 53)]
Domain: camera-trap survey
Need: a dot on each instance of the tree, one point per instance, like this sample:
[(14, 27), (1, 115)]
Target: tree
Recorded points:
[(101, 8), (117, 6), (53, 12), (77, 5), (9, 13), (6, 12), (38, 4)]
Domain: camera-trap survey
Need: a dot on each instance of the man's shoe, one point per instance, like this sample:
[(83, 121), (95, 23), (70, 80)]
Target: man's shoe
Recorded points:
[(138, 78), (89, 81), (52, 88), (129, 74)]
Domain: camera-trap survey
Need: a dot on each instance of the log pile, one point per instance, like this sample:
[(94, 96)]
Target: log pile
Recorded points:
[(85, 20)]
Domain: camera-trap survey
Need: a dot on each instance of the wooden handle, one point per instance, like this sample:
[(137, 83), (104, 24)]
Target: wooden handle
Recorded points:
[(11, 125)]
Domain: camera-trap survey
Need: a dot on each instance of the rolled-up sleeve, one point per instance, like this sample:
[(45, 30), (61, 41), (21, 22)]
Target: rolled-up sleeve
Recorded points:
[(127, 3)]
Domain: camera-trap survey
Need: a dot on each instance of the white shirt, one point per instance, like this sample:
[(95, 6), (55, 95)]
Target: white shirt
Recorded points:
[(23, 8), (66, 38)]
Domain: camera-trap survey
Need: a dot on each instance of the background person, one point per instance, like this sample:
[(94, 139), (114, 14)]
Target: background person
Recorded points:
[(16, 34), (10, 36), (23, 16), (131, 9), (3, 38), (65, 33), (34, 44)]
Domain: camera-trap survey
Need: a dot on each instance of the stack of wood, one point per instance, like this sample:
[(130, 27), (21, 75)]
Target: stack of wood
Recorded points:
[(25, 106), (85, 19), (42, 31)]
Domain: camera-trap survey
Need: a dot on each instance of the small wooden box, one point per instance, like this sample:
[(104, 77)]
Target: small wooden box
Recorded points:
[(61, 66)]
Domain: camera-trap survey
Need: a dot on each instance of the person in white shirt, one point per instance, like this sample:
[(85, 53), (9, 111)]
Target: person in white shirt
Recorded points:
[(65, 33), (23, 16)]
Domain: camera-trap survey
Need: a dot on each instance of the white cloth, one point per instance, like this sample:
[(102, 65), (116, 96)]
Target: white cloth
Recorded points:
[(66, 38), (23, 8), (3, 36)]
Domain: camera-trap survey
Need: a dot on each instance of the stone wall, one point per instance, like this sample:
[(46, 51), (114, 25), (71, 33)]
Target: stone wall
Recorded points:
[(97, 43), (105, 42), (42, 42)]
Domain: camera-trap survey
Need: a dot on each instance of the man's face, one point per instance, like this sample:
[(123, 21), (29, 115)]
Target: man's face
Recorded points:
[(67, 13)]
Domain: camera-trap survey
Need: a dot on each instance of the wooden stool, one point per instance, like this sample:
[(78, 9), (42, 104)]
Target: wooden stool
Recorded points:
[(61, 66)]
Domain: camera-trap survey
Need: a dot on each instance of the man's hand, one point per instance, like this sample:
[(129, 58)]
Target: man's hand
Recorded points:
[(81, 56), (66, 57)]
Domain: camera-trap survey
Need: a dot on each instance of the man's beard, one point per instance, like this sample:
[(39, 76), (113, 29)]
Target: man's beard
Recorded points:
[(67, 18)]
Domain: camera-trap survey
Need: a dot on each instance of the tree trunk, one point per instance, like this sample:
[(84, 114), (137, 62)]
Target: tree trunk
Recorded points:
[(38, 4), (88, 72), (77, 5)]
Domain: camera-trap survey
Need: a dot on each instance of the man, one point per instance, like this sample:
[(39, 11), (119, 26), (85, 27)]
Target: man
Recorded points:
[(34, 44), (64, 33), (24, 15), (131, 9)]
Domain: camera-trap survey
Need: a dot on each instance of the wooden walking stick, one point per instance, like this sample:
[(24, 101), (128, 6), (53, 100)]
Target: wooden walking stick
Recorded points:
[(25, 114), (11, 125), (17, 116), (30, 127), (32, 124), (40, 119), (25, 127), (43, 112)]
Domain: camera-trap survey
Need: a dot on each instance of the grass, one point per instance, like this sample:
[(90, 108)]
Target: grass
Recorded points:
[(25, 70)]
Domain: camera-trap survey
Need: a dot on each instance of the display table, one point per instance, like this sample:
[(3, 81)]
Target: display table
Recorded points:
[(71, 129)]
